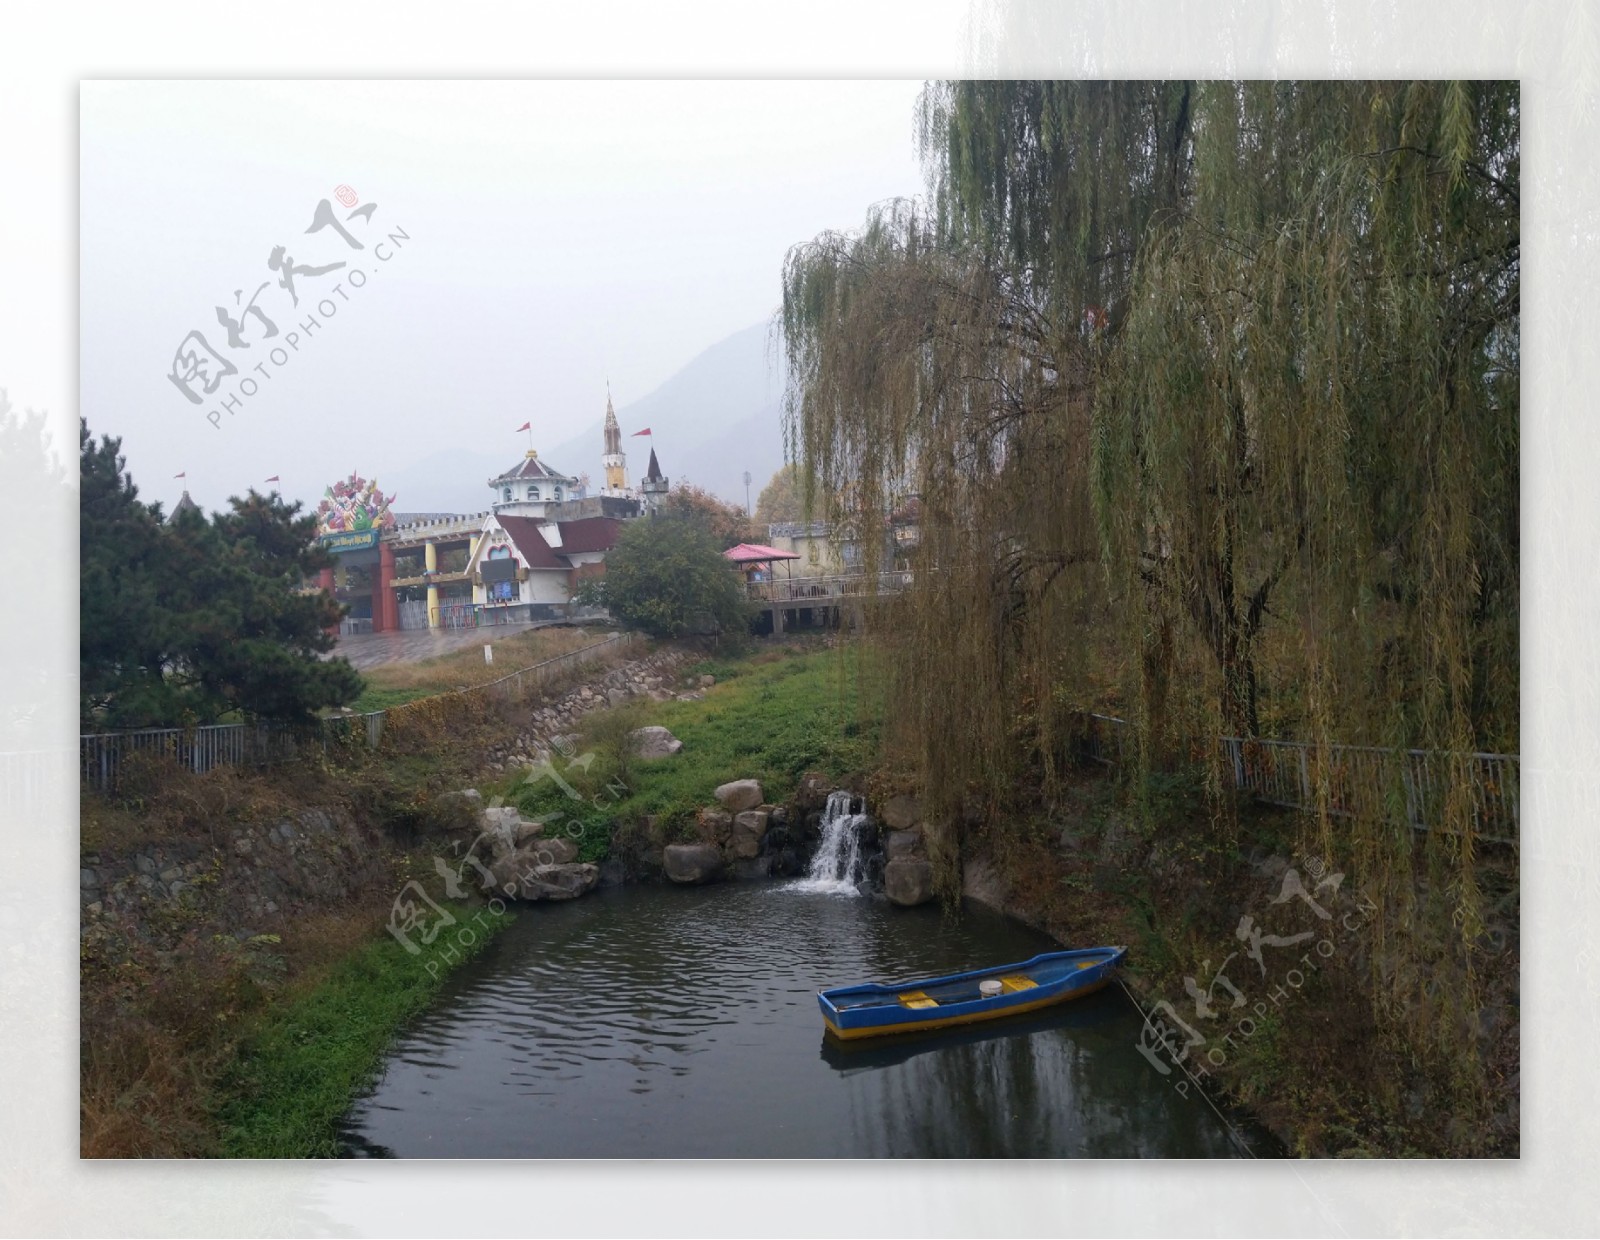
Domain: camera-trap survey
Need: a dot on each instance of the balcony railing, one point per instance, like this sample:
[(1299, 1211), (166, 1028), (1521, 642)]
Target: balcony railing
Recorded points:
[(807, 590)]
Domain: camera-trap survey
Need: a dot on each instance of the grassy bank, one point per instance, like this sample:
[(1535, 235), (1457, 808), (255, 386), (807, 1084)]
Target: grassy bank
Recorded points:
[(393, 684), (314, 1051), (771, 716), (174, 991)]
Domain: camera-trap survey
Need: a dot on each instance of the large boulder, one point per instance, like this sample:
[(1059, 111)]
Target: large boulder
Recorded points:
[(898, 844), (554, 851), (741, 794), (749, 829), (526, 831), (692, 863), (751, 869), (901, 812), (908, 881), (714, 825), (655, 742), (521, 875), (812, 792)]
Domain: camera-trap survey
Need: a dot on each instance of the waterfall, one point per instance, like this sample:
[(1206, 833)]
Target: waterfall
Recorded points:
[(836, 868)]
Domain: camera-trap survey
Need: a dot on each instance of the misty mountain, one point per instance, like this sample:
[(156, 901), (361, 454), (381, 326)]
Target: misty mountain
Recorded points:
[(716, 418)]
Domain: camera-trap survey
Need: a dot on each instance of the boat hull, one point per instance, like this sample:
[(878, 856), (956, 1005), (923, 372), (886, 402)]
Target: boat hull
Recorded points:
[(868, 1011)]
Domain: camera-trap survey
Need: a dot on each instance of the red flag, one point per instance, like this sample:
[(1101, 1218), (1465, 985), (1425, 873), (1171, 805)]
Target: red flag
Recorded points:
[(526, 426), (274, 478), (184, 474), (636, 434)]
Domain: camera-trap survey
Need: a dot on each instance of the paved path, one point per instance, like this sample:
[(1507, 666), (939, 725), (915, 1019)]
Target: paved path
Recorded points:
[(366, 650)]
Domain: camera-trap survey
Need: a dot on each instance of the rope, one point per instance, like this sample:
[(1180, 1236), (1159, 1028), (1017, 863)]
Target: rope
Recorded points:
[(1226, 1123)]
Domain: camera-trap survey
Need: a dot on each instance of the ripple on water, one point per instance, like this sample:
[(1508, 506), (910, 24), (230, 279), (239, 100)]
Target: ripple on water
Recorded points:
[(660, 1022)]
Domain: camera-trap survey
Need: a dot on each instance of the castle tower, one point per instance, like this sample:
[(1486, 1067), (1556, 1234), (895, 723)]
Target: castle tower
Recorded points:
[(616, 464), (654, 487)]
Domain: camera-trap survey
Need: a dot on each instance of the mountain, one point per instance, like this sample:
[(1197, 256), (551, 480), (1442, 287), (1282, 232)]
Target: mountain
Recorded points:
[(716, 418)]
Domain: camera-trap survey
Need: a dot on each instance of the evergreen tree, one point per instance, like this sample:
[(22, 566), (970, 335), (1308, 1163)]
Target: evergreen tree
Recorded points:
[(187, 621)]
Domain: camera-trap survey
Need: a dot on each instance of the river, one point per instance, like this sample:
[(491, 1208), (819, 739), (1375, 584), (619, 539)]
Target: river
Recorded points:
[(659, 1021)]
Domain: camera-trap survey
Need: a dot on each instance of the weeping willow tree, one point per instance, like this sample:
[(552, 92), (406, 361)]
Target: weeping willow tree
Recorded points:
[(1210, 394)]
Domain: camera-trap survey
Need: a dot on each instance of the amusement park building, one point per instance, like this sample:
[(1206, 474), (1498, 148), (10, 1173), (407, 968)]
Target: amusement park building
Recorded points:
[(521, 559)]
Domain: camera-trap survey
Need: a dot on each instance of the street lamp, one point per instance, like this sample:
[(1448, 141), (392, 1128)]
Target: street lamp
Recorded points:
[(747, 492)]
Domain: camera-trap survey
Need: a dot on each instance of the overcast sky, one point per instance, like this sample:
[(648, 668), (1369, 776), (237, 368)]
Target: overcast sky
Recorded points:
[(559, 233)]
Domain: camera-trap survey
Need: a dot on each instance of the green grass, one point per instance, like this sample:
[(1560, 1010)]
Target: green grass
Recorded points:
[(770, 718), (309, 1057)]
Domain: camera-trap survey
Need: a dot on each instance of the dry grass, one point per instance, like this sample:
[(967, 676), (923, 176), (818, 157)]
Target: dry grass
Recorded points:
[(390, 684)]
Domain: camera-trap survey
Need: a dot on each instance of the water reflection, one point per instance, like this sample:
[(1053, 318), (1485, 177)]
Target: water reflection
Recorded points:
[(661, 1022)]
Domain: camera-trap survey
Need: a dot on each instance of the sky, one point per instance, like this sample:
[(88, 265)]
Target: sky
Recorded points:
[(521, 243)]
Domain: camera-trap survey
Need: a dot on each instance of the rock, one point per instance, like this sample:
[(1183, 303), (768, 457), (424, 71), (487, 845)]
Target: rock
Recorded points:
[(740, 794), (655, 742), (898, 844), (750, 869), (613, 873), (908, 881), (559, 882), (171, 874), (616, 697), (813, 825), (901, 812), (749, 828), (692, 863), (553, 851), (522, 875), (981, 881), (242, 845), (715, 825), (144, 865), (471, 794), (526, 831), (813, 791), (707, 681), (88, 878)]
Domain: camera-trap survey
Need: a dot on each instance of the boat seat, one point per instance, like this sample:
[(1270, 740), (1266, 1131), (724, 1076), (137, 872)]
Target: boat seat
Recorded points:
[(1014, 982), (916, 999)]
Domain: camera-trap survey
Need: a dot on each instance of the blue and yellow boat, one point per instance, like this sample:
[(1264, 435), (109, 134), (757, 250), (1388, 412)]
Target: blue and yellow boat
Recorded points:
[(872, 1010)]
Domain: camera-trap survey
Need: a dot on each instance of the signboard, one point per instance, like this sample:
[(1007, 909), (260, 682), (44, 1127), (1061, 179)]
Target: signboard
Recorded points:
[(357, 541), (354, 506)]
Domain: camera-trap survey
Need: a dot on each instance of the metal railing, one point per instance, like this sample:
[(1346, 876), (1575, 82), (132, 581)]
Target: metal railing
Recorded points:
[(1400, 785), (806, 590), (201, 749)]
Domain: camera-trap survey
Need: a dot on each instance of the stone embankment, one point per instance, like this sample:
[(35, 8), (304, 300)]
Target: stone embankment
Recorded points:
[(650, 679)]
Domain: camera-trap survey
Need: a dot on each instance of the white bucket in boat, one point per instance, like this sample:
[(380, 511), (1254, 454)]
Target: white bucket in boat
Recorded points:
[(990, 987)]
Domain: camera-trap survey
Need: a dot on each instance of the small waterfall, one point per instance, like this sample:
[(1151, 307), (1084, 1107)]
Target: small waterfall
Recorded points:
[(836, 868)]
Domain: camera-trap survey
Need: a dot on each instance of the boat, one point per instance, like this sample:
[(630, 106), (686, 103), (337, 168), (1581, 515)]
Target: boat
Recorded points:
[(873, 1010)]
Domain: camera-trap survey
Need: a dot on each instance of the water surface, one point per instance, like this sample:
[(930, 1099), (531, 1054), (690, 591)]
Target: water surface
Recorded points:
[(683, 1022)]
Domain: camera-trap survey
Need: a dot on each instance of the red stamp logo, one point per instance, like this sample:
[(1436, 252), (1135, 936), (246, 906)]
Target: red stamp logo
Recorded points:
[(346, 195)]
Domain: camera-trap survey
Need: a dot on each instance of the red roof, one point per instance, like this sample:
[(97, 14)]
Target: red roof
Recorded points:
[(589, 534), (750, 553), (525, 536)]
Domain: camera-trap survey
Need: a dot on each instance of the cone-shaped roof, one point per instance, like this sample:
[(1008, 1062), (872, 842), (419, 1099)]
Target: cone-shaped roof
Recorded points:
[(184, 504)]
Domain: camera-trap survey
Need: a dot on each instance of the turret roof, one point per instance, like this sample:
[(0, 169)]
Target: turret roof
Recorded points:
[(530, 467)]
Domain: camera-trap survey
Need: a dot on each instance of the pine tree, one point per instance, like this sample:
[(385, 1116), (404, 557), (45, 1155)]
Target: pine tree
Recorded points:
[(187, 621)]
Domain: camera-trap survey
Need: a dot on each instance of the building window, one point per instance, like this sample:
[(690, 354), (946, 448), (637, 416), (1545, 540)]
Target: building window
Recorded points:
[(508, 494), (558, 495), (533, 492)]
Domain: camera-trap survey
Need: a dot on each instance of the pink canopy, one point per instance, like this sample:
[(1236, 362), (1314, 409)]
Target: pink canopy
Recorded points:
[(754, 553)]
